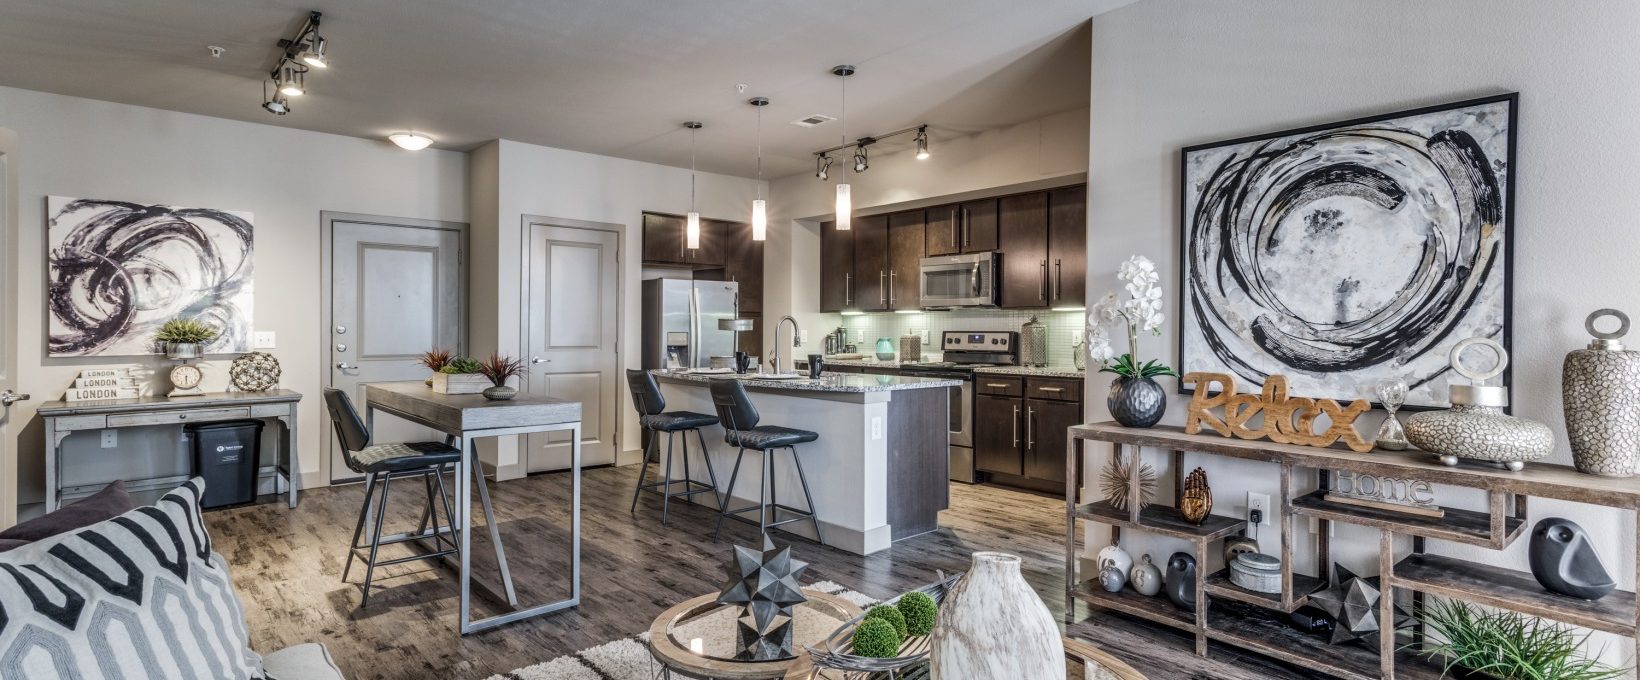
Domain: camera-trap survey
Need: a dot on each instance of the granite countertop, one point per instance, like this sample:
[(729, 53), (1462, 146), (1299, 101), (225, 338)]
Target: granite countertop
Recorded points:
[(828, 382), (1039, 371), (862, 363)]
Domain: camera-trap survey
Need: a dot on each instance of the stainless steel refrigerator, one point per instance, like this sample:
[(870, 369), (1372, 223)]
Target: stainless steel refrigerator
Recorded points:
[(680, 322)]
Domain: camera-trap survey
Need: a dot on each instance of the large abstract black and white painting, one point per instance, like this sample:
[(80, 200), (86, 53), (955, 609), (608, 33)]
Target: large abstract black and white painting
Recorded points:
[(1346, 254), (117, 270)]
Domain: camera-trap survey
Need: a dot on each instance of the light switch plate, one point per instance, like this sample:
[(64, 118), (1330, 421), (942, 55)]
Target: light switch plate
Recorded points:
[(262, 340), (876, 427), (110, 438)]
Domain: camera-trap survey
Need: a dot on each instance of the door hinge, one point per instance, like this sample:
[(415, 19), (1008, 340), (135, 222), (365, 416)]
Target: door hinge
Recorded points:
[(461, 256)]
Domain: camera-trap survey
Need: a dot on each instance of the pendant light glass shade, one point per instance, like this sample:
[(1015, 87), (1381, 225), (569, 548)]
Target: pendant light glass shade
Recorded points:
[(845, 208), (760, 220), (691, 234)]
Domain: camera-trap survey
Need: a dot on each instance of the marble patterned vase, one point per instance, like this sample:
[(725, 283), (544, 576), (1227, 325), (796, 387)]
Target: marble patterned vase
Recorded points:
[(992, 626)]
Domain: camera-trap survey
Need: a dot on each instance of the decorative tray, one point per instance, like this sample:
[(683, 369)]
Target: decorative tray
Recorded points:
[(836, 651)]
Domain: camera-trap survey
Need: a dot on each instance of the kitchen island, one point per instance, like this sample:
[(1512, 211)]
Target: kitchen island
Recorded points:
[(878, 473)]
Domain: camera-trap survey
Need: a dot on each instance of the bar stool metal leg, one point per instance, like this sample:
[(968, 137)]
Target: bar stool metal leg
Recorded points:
[(375, 541), (666, 477), (358, 529), (804, 480), (729, 494), (449, 511), (763, 495), (643, 470), (706, 455)]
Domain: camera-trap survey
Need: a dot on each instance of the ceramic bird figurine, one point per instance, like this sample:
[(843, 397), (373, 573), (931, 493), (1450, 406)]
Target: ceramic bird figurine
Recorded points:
[(1196, 499), (1181, 581), (1564, 561)]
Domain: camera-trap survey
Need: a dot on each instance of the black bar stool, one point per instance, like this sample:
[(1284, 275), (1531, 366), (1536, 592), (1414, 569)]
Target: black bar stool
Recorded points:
[(740, 429), (652, 416), (385, 463)]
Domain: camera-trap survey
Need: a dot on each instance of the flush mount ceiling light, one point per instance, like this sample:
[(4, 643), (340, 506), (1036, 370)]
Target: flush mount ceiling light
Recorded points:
[(304, 51), (845, 202), (691, 234), (922, 143), (411, 140), (760, 208)]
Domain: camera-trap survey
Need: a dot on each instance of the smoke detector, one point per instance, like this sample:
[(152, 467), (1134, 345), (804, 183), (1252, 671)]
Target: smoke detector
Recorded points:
[(813, 120)]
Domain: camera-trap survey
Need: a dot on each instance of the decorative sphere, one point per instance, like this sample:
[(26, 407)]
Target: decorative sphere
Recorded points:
[(919, 610), (876, 638), (891, 614)]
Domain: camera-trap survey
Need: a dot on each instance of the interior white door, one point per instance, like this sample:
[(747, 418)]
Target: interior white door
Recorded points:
[(573, 312), (8, 332), (396, 291)]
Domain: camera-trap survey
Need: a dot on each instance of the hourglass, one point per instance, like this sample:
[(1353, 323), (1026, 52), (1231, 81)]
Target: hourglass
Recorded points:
[(1392, 394)]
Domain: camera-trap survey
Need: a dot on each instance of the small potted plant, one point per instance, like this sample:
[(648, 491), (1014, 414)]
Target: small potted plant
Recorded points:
[(183, 338), (435, 359), (1135, 399), (462, 375), (498, 369)]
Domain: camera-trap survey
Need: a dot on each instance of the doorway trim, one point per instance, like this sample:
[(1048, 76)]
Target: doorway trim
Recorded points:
[(327, 220), (10, 215), (529, 223)]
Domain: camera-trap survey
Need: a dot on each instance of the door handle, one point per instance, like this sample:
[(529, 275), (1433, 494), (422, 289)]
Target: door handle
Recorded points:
[(1016, 425), (1042, 285), (539, 360), (1030, 434), (9, 397), (343, 365)]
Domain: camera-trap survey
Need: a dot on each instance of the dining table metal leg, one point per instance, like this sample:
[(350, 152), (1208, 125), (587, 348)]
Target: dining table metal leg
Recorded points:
[(477, 469)]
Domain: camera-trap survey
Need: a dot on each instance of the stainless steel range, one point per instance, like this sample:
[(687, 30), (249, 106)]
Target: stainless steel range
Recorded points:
[(965, 351)]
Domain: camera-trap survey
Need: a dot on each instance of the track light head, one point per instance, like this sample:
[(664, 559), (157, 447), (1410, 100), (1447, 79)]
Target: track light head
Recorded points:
[(860, 163), (922, 143), (276, 106), (314, 55), (822, 166), (291, 81)]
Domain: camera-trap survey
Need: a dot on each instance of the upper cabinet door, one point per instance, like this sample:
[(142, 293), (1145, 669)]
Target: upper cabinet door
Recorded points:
[(743, 264), (940, 230), (905, 253), (1067, 245), (663, 239), (710, 252), (978, 230), (1022, 235), (836, 268), (871, 263)]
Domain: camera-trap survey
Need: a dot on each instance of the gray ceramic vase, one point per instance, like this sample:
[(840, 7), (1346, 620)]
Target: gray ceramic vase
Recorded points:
[(1136, 402), (1564, 561), (1476, 427), (993, 626), (1600, 392), (500, 392), (1181, 581), (1146, 577)]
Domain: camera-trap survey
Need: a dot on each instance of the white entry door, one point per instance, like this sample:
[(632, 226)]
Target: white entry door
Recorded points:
[(397, 289), (572, 300), (8, 333)]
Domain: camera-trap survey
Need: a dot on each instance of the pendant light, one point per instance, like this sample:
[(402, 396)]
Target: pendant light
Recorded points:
[(845, 202), (760, 208), (691, 238)]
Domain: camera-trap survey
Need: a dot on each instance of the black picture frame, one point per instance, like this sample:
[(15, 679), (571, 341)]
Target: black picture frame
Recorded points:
[(1512, 102)]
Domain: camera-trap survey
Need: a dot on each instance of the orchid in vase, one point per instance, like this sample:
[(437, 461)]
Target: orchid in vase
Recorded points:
[(1135, 399)]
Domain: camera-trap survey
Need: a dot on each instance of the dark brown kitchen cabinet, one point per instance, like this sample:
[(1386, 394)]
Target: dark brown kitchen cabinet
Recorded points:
[(836, 268), (665, 241), (1045, 425), (940, 231), (743, 264), (1022, 225), (905, 253), (978, 228), (997, 434), (1067, 246), (871, 263)]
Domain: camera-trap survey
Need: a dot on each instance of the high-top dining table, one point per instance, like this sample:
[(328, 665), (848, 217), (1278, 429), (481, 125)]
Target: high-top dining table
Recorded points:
[(464, 419)]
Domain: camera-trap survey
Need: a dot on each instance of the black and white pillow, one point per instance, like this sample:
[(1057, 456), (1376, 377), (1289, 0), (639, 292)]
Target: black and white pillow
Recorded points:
[(137, 596)]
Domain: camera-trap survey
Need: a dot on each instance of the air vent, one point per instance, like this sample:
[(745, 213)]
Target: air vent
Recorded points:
[(811, 121)]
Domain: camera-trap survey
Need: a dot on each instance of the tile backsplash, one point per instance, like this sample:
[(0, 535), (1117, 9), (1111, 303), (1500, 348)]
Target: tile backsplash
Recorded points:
[(1063, 328)]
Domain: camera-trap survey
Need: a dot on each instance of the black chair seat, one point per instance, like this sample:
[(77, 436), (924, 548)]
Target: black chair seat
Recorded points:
[(403, 456), (675, 421), (768, 437)]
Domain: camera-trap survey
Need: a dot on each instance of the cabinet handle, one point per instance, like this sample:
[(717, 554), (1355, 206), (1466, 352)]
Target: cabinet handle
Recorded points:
[(882, 288), (1016, 425), (1042, 282), (1000, 386), (891, 298), (848, 289), (967, 229), (1058, 278), (1030, 435), (956, 243)]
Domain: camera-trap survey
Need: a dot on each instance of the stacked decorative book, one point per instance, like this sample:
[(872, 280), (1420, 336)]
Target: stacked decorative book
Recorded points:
[(103, 383)]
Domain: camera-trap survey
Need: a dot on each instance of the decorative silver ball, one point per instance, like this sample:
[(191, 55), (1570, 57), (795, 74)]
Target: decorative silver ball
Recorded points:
[(1515, 465), (1449, 461)]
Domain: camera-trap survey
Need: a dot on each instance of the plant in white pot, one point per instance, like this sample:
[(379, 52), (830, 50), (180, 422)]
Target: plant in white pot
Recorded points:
[(463, 375), (1135, 399), (184, 338)]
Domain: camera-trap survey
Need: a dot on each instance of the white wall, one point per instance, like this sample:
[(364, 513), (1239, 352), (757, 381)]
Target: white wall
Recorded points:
[(1171, 73), (69, 146), (1048, 151), (513, 180)]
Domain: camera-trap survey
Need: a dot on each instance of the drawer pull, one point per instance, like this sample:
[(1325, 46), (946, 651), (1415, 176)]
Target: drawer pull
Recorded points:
[(1000, 386), (1052, 389)]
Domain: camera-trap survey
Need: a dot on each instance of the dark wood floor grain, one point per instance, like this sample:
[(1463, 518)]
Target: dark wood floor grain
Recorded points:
[(288, 563)]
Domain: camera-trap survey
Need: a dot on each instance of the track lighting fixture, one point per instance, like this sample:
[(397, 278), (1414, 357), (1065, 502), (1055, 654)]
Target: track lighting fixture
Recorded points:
[(292, 81), (845, 202), (314, 55), (691, 233), (304, 51), (922, 143), (860, 163), (822, 166), (760, 208)]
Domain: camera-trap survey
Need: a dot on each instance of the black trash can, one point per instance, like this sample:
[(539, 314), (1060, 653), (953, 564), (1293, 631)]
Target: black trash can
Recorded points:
[(227, 454)]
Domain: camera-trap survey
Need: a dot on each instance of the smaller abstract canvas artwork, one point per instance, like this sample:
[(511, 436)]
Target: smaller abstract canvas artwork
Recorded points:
[(118, 270)]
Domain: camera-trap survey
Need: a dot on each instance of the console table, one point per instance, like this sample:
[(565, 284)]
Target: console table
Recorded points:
[(1261, 627), (63, 418)]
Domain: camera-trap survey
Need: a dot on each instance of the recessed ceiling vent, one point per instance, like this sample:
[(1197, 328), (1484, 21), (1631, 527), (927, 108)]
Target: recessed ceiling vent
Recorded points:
[(814, 120)]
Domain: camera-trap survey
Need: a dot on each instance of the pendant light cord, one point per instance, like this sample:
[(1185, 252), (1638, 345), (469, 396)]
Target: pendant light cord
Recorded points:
[(844, 130), (692, 168), (760, 151)]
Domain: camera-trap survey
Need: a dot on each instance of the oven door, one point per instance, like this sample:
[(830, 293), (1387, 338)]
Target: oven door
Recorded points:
[(959, 281)]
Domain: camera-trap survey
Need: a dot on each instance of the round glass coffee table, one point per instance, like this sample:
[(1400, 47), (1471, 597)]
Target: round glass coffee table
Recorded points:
[(697, 639)]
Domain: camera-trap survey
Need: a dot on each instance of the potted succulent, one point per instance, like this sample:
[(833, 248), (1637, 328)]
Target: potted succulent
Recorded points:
[(1135, 399), (462, 375), (498, 369), (184, 338), (435, 359)]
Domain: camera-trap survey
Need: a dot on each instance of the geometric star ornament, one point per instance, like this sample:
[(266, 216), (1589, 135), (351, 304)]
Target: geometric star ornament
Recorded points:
[(1352, 602), (764, 584)]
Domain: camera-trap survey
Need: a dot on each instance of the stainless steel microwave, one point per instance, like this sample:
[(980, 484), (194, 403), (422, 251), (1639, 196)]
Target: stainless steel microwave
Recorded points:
[(968, 280)]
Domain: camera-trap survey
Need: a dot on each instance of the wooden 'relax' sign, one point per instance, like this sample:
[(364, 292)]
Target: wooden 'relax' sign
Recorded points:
[(1287, 420)]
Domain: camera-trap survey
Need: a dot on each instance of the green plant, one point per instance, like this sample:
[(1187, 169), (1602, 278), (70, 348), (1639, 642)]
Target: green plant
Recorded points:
[(462, 365), (1123, 365), (876, 638), (498, 368), (436, 358), (186, 331), (1508, 645), (919, 610), (890, 614)]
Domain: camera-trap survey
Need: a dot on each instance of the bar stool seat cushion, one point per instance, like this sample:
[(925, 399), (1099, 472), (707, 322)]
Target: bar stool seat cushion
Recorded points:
[(404, 456), (768, 437), (675, 421)]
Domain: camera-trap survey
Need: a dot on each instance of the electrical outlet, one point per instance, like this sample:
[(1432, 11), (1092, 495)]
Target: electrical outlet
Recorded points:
[(876, 427), (803, 336), (110, 438), (924, 334), (262, 340), (1261, 503)]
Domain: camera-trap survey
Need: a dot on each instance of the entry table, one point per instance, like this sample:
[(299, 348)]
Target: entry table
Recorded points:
[(466, 418)]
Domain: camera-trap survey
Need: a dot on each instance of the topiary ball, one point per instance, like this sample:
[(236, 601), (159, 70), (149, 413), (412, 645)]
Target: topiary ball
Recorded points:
[(876, 638), (891, 614), (919, 611)]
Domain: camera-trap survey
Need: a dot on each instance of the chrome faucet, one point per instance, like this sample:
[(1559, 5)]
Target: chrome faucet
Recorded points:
[(795, 335)]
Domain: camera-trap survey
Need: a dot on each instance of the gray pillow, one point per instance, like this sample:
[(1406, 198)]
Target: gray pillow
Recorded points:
[(112, 501)]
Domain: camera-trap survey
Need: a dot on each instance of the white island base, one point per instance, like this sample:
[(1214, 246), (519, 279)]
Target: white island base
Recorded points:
[(878, 473)]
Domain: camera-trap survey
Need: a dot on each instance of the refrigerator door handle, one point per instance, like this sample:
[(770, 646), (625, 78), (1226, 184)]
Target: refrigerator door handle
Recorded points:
[(694, 327)]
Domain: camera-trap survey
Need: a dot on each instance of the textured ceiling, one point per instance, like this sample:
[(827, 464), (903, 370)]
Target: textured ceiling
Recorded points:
[(612, 77)]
